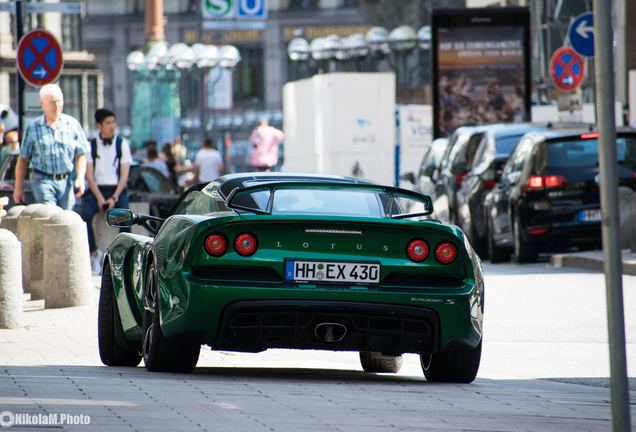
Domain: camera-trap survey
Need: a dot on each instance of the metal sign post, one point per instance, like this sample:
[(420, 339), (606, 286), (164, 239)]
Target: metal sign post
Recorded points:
[(612, 257)]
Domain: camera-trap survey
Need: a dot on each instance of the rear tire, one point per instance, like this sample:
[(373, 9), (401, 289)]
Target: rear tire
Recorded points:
[(161, 354), (451, 366), (524, 252), (375, 362), (109, 325)]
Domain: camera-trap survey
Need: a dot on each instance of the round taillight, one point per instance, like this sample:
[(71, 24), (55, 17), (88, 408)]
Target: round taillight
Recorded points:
[(417, 250), (445, 252), (245, 244), (216, 244)]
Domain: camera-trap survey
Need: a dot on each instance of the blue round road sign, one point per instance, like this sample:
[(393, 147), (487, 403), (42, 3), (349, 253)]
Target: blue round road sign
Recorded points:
[(39, 58), (581, 34), (567, 69)]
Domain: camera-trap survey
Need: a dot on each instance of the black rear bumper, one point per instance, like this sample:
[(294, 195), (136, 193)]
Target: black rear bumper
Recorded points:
[(253, 326)]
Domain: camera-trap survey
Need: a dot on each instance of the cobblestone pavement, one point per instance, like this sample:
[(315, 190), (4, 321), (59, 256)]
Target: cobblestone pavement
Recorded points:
[(51, 366)]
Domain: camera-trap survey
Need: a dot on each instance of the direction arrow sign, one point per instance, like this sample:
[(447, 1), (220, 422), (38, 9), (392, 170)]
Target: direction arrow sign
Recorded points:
[(39, 58), (581, 34), (567, 69)]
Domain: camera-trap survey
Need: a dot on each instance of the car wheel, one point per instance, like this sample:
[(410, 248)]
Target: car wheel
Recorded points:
[(375, 362), (497, 254), (524, 252), (109, 327), (451, 366), (162, 354)]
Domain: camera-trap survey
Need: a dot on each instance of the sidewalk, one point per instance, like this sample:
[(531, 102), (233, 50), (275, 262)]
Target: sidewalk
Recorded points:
[(593, 260)]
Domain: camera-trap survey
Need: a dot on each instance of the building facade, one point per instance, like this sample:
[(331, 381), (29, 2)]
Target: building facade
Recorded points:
[(81, 79)]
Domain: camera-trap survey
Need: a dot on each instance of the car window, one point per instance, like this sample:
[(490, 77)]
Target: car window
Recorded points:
[(197, 201), (504, 146), (456, 142), (482, 153), (584, 153), (464, 155), (7, 170)]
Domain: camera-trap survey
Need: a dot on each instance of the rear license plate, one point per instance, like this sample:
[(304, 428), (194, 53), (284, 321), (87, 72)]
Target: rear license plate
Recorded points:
[(590, 215), (334, 272)]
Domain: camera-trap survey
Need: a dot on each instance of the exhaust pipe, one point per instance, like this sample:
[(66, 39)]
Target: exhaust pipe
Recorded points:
[(330, 332)]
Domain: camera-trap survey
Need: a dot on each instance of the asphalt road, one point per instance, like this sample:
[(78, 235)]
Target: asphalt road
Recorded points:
[(544, 368)]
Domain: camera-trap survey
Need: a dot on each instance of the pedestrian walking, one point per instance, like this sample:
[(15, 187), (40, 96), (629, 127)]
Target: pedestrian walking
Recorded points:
[(265, 140), (208, 164), (53, 146), (107, 170)]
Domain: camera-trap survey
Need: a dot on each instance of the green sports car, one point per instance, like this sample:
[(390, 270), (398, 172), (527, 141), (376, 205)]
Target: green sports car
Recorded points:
[(269, 260)]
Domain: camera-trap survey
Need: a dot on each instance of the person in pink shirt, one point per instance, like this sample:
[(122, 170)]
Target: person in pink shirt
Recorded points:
[(265, 140)]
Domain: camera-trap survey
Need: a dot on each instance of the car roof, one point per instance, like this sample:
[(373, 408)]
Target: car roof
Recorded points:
[(240, 180), (572, 132), (515, 129)]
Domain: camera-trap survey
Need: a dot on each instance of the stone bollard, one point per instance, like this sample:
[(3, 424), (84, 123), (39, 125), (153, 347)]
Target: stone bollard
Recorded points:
[(10, 281), (39, 218), (67, 268), (24, 235), (10, 221), (4, 201)]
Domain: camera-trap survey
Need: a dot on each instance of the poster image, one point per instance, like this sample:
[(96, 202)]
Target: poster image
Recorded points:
[(481, 75)]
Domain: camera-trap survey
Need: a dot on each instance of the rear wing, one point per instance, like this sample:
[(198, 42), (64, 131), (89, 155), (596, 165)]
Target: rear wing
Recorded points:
[(393, 195)]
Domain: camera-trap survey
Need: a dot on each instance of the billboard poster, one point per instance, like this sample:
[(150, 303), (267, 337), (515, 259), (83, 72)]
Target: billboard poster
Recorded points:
[(481, 69)]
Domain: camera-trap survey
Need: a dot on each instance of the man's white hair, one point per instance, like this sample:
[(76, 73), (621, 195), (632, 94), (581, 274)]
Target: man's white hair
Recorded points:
[(50, 90)]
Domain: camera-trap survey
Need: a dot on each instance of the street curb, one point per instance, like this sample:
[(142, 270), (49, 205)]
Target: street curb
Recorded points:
[(588, 262)]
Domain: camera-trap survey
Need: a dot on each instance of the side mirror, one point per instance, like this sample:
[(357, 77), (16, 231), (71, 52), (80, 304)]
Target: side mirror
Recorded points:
[(409, 177), (120, 218)]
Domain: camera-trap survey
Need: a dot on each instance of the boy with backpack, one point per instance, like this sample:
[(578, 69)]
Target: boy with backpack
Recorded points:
[(107, 169)]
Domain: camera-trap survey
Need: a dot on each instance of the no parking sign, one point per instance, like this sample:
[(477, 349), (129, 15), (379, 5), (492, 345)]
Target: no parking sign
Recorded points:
[(39, 58), (567, 69)]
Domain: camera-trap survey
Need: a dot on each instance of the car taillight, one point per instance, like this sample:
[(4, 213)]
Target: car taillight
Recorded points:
[(545, 182), (216, 244), (445, 253), (417, 250), (589, 135), (489, 184), (537, 231), (460, 177), (245, 244)]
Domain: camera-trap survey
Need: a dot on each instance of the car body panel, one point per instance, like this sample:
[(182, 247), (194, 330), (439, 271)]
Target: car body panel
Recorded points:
[(196, 289)]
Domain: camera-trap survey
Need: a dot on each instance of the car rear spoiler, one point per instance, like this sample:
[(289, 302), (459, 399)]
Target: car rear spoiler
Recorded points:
[(392, 192)]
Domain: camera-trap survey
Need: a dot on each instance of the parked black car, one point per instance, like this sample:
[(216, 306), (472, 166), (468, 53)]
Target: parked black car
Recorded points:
[(145, 184), (454, 166), (492, 153), (548, 197)]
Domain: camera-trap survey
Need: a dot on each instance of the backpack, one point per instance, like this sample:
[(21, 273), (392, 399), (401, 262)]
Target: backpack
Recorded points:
[(95, 156)]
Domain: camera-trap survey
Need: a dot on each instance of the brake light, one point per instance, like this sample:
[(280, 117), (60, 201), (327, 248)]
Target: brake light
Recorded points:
[(245, 244), (216, 244), (537, 231), (460, 177), (417, 250), (589, 135), (445, 253), (489, 184), (547, 182)]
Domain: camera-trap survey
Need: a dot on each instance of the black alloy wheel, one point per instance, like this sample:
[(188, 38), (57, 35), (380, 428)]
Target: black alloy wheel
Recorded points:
[(161, 354)]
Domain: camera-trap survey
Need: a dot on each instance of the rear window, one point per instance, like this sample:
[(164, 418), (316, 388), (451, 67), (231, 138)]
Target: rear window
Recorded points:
[(582, 153), (506, 145), (321, 202)]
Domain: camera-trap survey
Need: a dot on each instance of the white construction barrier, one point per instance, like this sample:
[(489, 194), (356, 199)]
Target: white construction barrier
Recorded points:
[(10, 281), (67, 268)]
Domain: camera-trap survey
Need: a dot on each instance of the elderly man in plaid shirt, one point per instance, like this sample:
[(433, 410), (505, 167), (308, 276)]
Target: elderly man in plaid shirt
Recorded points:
[(54, 144)]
